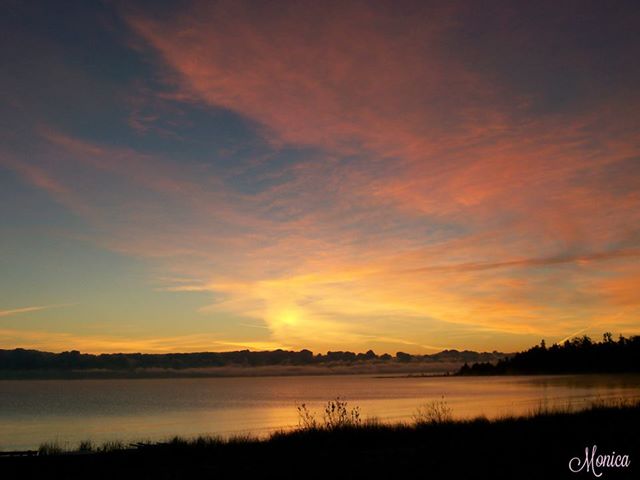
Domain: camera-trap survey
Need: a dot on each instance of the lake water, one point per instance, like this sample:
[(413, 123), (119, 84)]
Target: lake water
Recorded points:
[(69, 411)]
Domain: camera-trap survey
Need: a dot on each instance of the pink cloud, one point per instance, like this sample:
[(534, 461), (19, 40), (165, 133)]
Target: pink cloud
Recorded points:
[(500, 220)]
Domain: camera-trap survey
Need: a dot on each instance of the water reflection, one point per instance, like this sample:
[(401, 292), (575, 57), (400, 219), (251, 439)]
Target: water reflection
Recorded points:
[(73, 410)]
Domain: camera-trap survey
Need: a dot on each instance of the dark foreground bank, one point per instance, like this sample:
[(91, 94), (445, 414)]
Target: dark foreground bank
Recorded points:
[(536, 447)]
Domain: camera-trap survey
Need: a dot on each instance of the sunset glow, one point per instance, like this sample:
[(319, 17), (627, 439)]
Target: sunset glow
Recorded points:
[(410, 176)]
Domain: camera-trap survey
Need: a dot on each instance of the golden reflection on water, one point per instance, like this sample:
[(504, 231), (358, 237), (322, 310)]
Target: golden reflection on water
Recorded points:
[(70, 411)]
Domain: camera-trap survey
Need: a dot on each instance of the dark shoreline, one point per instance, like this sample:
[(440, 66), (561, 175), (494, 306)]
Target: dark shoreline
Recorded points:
[(539, 446), (578, 355)]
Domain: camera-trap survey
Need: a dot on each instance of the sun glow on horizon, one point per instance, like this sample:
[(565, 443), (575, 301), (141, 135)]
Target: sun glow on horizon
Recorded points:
[(349, 176)]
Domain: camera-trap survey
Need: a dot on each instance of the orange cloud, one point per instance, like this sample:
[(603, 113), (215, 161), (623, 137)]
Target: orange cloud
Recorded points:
[(64, 341), (534, 262), (433, 207)]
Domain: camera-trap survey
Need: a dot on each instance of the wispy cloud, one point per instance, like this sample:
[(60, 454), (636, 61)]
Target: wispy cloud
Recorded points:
[(411, 184), (62, 341), (17, 311), (580, 259)]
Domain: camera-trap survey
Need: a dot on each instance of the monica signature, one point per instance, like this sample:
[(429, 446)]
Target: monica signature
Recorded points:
[(595, 463)]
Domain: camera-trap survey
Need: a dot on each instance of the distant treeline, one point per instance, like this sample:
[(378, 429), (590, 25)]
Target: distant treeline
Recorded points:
[(579, 355), (21, 359)]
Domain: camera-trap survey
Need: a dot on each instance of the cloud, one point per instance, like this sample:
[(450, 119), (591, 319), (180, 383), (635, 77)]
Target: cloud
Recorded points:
[(438, 137), (335, 76), (64, 341), (534, 262), (16, 311), (419, 188)]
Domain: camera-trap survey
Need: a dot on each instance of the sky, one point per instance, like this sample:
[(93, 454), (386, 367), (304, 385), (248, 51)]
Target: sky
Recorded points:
[(394, 175)]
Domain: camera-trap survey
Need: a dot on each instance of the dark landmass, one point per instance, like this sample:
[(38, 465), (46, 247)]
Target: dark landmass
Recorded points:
[(20, 363), (534, 447), (579, 355)]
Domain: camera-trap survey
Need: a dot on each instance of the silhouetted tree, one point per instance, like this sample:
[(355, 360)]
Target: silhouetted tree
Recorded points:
[(578, 355), (403, 357)]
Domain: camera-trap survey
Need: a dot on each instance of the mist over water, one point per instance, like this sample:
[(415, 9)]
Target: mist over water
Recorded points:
[(69, 411)]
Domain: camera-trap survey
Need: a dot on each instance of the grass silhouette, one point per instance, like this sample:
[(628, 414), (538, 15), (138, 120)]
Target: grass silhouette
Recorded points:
[(433, 445)]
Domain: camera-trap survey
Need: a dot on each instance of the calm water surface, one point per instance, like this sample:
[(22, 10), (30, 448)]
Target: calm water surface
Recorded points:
[(68, 411)]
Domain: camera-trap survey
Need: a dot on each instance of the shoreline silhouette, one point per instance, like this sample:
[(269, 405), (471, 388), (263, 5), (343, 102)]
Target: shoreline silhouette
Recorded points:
[(342, 445), (33, 364), (578, 355)]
